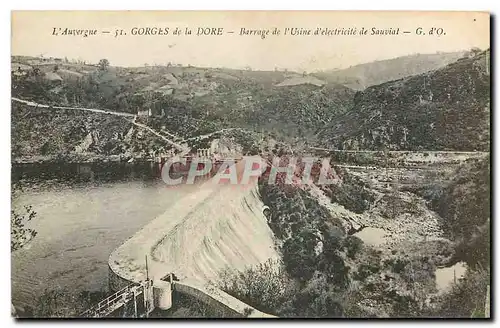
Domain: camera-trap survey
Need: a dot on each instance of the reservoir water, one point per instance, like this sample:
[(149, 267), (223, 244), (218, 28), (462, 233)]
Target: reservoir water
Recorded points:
[(78, 227)]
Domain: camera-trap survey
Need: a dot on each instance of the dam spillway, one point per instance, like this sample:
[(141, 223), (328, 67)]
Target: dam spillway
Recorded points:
[(217, 226)]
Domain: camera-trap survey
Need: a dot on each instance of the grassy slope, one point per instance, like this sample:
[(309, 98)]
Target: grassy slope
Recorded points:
[(447, 109), (363, 76)]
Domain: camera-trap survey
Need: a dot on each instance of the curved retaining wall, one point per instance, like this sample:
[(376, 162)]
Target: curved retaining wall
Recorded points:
[(115, 281), (216, 299), (220, 301)]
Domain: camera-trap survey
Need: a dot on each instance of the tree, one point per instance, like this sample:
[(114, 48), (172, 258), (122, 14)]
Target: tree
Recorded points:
[(475, 50), (466, 298), (266, 287), (299, 257), (36, 71), (61, 303), (103, 64), (352, 245), (19, 234)]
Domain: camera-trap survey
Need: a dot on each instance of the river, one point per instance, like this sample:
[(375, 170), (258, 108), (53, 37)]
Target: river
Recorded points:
[(448, 276), (78, 227), (445, 276)]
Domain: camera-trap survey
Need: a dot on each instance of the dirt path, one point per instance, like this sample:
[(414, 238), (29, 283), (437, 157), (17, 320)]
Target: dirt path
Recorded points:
[(212, 133), (173, 143), (94, 110)]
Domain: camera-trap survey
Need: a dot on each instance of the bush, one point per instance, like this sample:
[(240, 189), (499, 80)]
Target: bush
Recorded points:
[(467, 298), (265, 287), (59, 303), (19, 234), (352, 245)]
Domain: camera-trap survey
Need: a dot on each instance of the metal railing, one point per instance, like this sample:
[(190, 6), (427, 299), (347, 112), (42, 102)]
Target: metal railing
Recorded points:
[(113, 302)]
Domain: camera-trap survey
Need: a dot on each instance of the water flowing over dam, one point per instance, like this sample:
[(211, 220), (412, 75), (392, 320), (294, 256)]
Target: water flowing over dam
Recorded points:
[(218, 226)]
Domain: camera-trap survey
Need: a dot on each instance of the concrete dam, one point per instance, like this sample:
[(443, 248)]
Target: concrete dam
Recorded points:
[(216, 227)]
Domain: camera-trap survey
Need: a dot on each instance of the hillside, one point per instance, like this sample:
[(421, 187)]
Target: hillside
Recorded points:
[(187, 101), (433, 110), (446, 109), (288, 111), (464, 205), (129, 89), (75, 135), (362, 76)]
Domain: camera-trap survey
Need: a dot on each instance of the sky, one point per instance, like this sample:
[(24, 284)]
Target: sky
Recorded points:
[(32, 34)]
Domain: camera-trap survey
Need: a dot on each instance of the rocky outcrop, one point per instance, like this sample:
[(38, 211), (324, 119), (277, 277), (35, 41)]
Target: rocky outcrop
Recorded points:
[(85, 144)]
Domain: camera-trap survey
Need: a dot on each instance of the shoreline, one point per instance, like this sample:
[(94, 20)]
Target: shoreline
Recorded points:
[(78, 158)]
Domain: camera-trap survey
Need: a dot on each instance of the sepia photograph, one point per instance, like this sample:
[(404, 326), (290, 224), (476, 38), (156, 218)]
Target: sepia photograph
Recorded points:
[(250, 164)]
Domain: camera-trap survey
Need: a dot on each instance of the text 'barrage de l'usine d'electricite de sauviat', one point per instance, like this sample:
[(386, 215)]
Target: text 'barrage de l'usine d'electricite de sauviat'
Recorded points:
[(325, 31)]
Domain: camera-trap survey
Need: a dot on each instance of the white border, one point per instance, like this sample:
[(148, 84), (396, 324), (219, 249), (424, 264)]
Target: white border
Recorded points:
[(476, 5)]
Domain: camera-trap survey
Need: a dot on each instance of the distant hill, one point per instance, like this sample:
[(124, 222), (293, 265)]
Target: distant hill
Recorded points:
[(446, 109), (363, 76), (115, 87), (301, 80)]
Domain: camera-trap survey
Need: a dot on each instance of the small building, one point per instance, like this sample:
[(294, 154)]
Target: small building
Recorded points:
[(146, 112), (53, 78), (204, 152)]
